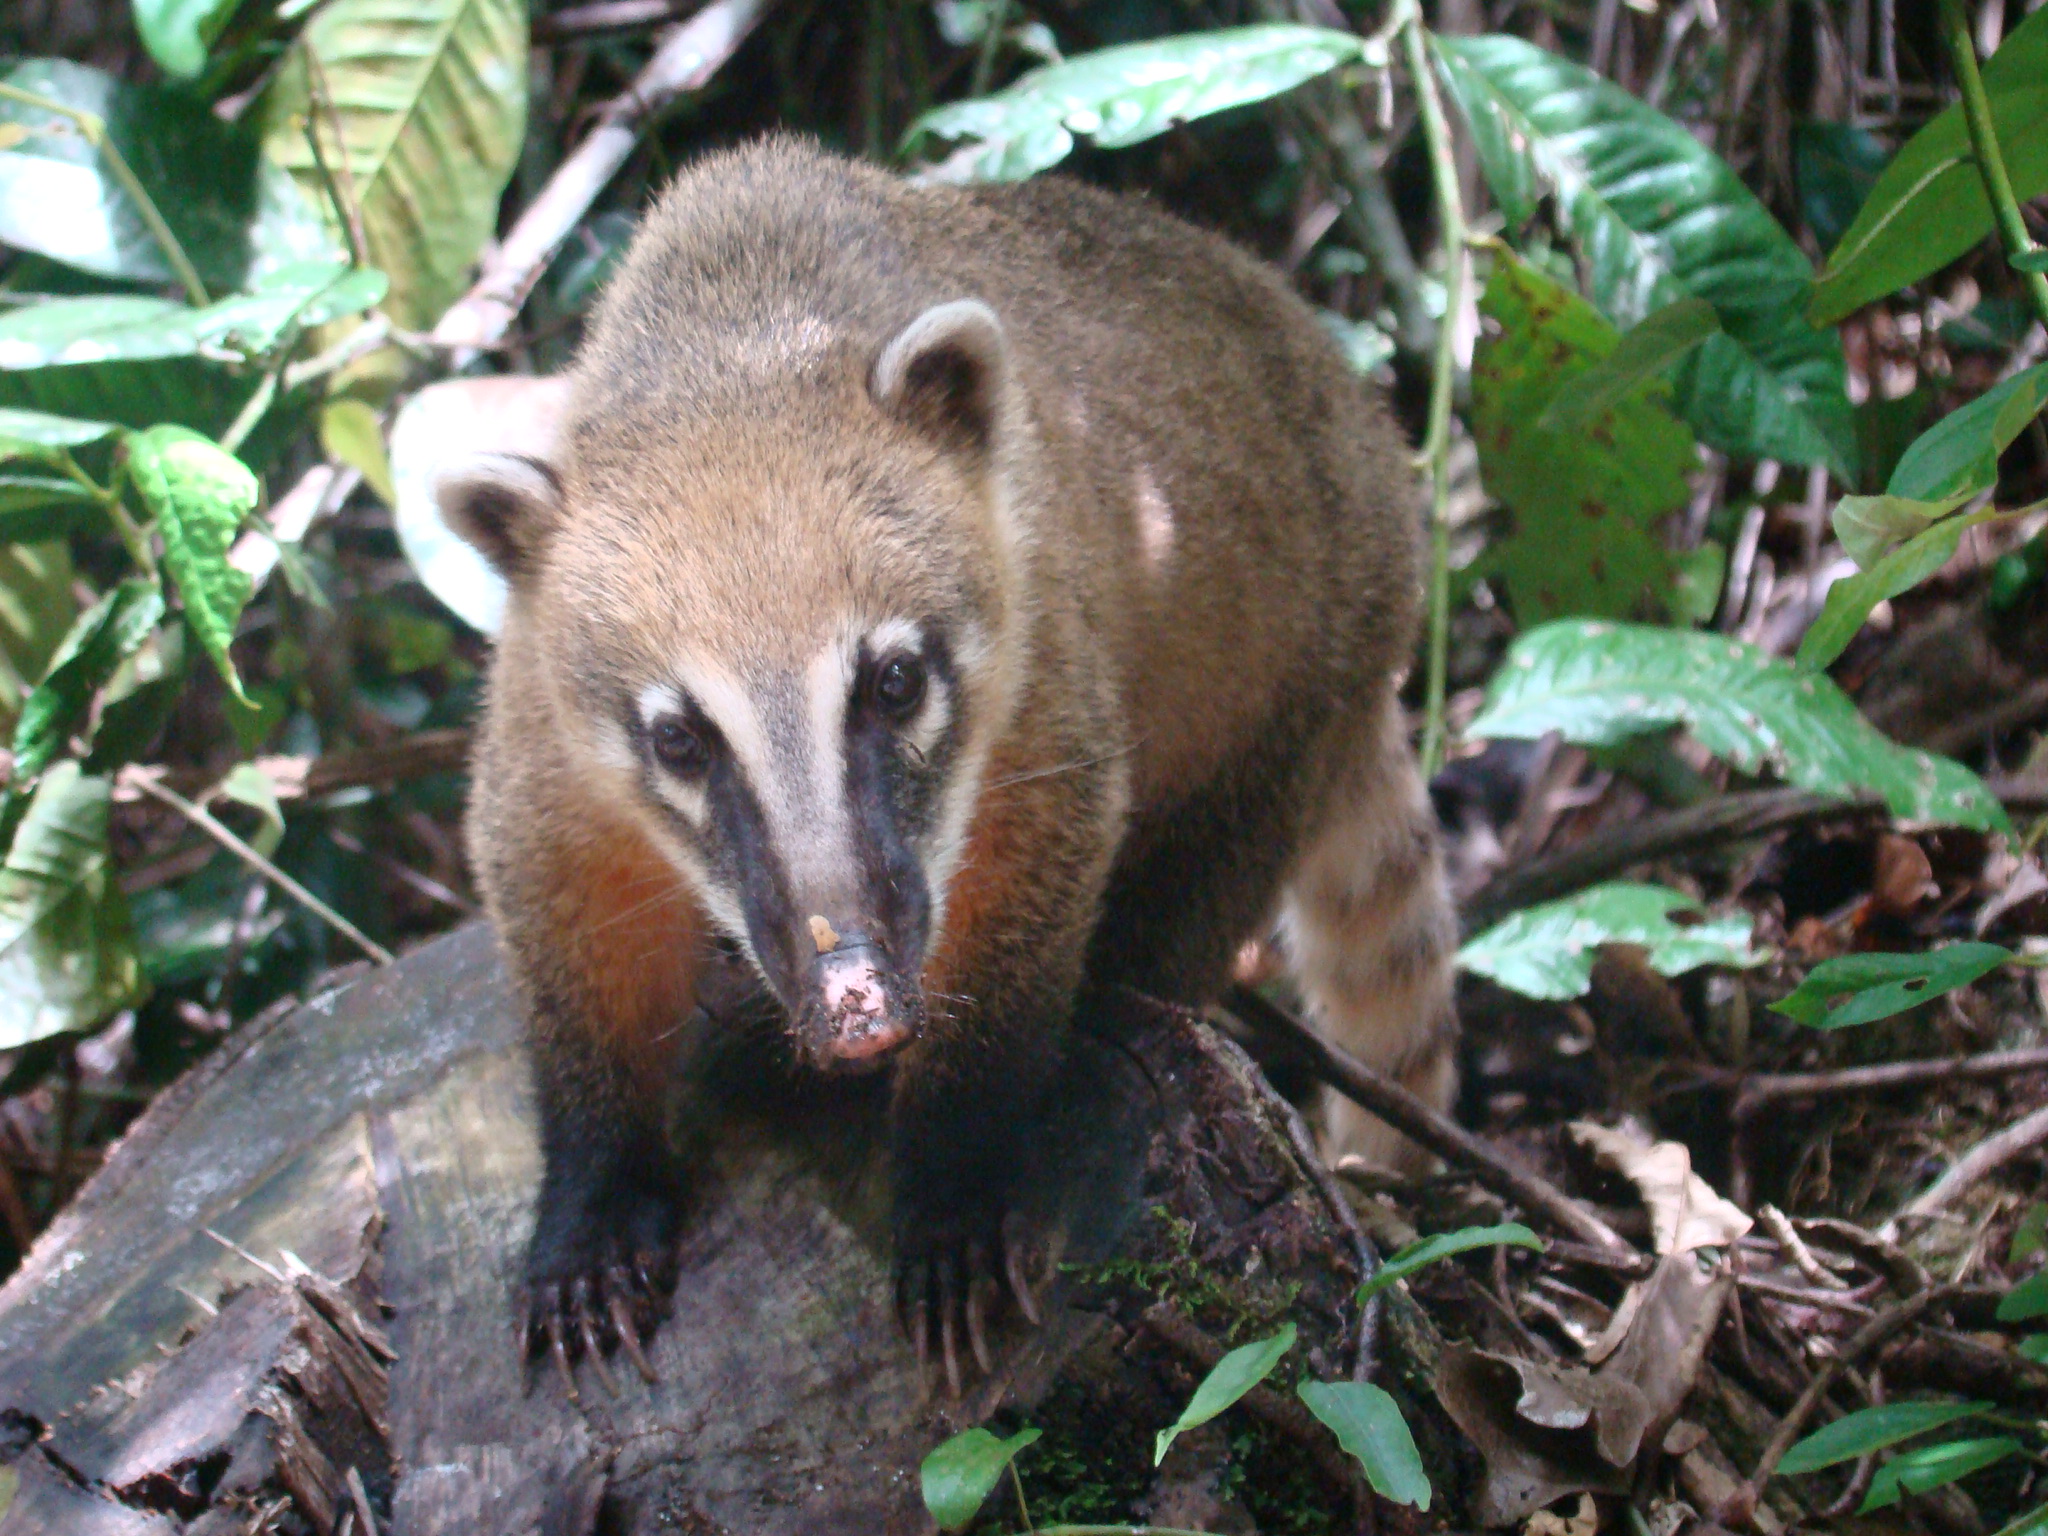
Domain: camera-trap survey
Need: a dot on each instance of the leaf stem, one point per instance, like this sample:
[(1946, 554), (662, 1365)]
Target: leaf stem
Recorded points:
[(253, 410), (148, 783), (94, 130), (134, 538), (1436, 442), (991, 40), (2005, 207)]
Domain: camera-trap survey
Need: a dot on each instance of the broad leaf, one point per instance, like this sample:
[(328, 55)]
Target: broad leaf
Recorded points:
[(103, 637), (2033, 1523), (1368, 1424), (1660, 217), (351, 435), (2034, 1347), (67, 946), (430, 96), (1958, 456), (1933, 1466), (63, 332), (199, 496), (1850, 600), (178, 33), (2027, 1299), (36, 610), (1872, 526), (1871, 1429), (1645, 350), (1235, 1374), (1928, 207), (1589, 502), (37, 507), (1428, 1250), (1600, 684), (44, 438), (1864, 988), (236, 216), (1126, 94), (1548, 951), (1836, 166), (958, 1476)]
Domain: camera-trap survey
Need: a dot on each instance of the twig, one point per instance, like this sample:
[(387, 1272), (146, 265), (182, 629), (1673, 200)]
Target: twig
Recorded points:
[(1794, 1248), (1834, 1301), (94, 130), (1765, 1088), (148, 784), (2005, 207), (1438, 1133), (361, 1498), (1436, 443), (684, 62), (1986, 1157), (1959, 735), (604, 16)]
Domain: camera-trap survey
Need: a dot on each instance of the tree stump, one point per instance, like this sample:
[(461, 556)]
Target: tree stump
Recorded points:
[(284, 1304)]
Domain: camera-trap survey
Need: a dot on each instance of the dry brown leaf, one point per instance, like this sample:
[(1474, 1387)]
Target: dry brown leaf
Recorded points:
[(1901, 877), (1548, 1522), (1685, 1211)]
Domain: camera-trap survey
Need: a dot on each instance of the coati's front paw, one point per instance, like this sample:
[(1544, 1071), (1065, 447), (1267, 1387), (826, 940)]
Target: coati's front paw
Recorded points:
[(598, 1280), (950, 1265)]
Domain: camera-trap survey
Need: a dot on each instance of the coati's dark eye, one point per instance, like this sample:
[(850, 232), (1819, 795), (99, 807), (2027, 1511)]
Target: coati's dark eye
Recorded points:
[(899, 687), (679, 748)]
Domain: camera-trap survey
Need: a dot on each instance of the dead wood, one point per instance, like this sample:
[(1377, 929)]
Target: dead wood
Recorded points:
[(290, 1280)]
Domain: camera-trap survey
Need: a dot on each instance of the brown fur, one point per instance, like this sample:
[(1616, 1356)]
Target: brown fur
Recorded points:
[(1216, 580)]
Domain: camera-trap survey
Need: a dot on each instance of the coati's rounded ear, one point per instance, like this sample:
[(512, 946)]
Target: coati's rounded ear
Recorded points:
[(505, 504), (947, 373)]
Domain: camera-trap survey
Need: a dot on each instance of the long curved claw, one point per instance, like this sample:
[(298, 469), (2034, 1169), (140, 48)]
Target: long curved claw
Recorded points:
[(1020, 1284), (978, 1288), (629, 1339), (949, 1309), (558, 1350), (586, 1329)]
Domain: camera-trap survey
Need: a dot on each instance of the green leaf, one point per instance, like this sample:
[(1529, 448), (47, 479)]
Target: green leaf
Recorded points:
[(199, 496), (1932, 1466), (103, 637), (236, 216), (178, 33), (246, 784), (1872, 526), (2034, 1347), (1958, 456), (1658, 217), (1860, 989), (1871, 1429), (62, 332), (44, 438), (431, 100), (36, 610), (1548, 951), (1235, 1374), (1928, 207), (1836, 166), (1428, 1250), (2027, 1299), (1127, 94), (1645, 350), (2029, 261), (67, 946), (350, 434), (960, 1474), (1600, 684), (1850, 600), (1368, 1424), (2033, 1523), (1589, 502), (2030, 1235), (37, 507)]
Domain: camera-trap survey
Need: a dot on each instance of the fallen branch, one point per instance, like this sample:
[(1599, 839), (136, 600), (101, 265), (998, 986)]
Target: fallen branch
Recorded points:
[(1989, 1155), (1435, 1132), (1765, 1088), (688, 58)]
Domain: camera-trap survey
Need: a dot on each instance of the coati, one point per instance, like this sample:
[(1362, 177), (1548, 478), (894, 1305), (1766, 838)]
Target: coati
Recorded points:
[(954, 598)]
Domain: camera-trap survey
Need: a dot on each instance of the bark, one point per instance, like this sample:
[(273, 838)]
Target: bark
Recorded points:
[(291, 1282)]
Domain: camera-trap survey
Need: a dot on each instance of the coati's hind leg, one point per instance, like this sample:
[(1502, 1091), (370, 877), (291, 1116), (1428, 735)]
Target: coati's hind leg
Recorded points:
[(1368, 930)]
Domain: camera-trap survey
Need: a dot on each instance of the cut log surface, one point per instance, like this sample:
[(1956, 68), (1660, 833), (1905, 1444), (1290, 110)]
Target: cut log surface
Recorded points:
[(285, 1304)]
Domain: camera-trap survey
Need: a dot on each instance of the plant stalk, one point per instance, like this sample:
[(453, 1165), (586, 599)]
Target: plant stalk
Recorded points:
[(95, 133), (2005, 206), (991, 40), (1436, 443)]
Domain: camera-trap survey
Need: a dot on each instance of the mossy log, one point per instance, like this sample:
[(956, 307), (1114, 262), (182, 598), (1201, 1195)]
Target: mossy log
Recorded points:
[(285, 1304)]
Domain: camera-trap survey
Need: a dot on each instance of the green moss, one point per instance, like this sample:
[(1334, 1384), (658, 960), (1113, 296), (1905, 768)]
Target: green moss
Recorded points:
[(1168, 1269), (1271, 1478), (1090, 1467)]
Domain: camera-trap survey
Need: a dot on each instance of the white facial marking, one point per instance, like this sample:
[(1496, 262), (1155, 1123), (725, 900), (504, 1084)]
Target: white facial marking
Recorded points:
[(1155, 519)]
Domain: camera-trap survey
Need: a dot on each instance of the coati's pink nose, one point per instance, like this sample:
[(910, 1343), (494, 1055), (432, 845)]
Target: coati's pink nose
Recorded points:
[(863, 1017)]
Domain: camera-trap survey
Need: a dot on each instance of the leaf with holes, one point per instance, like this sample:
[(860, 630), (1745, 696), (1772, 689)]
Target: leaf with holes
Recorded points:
[(1234, 1375), (103, 637), (199, 496), (1368, 1424), (430, 100), (1123, 95), (1928, 206), (1548, 951), (68, 957), (1588, 502), (1658, 217), (960, 1474), (1860, 989), (1426, 1251), (1600, 684)]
